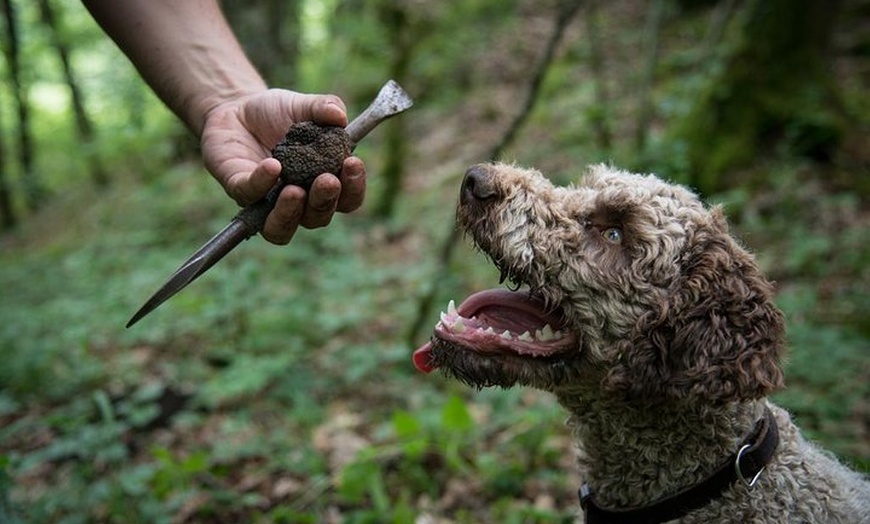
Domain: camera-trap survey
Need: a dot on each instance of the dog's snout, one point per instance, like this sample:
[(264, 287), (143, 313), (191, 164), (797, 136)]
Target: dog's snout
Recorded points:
[(478, 185)]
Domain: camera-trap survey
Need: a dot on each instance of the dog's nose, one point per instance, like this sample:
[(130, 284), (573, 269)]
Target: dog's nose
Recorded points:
[(478, 185)]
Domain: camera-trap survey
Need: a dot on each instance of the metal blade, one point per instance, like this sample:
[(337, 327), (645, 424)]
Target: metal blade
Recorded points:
[(198, 263)]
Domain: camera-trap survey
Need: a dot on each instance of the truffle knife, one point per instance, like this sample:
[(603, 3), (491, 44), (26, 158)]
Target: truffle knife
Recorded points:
[(390, 101)]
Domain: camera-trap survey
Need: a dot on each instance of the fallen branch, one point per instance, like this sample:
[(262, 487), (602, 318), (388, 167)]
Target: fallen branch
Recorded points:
[(565, 12)]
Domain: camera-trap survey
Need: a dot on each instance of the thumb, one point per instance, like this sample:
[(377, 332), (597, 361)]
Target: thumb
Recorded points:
[(322, 109)]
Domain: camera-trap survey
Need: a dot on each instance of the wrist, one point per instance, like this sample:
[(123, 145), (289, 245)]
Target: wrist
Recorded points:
[(215, 83)]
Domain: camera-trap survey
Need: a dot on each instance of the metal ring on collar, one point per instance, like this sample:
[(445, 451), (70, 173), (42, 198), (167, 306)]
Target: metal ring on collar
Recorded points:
[(747, 482)]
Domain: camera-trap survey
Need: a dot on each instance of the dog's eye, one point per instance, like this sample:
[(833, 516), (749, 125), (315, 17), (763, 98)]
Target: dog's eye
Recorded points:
[(612, 235)]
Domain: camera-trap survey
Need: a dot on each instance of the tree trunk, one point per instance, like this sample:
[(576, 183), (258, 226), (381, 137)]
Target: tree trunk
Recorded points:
[(83, 122), (394, 16), (773, 93), (8, 219), (285, 28), (270, 31), (565, 12), (655, 16), (600, 114), (34, 191), (719, 20)]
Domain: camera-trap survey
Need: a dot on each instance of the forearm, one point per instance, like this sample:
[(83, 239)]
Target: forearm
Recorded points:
[(184, 49)]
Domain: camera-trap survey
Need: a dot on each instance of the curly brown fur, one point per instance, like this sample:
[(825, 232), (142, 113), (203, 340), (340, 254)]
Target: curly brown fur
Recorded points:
[(651, 325)]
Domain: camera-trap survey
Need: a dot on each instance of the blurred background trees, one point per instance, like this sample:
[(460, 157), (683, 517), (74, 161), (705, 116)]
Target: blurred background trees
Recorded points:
[(757, 77), (279, 388), (774, 90)]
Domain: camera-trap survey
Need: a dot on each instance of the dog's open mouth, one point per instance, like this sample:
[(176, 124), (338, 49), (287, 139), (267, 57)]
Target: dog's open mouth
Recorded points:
[(499, 322)]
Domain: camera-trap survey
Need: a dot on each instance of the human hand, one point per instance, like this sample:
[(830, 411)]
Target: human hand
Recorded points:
[(237, 139)]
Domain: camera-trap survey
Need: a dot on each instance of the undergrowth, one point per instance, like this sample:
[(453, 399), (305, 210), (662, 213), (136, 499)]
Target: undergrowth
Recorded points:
[(276, 388)]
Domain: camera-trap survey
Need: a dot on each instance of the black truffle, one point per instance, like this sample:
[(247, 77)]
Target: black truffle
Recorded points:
[(308, 150)]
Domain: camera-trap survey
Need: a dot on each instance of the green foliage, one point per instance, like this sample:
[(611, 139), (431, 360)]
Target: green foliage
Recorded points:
[(176, 475), (748, 109), (418, 437), (817, 393), (431, 449), (6, 511), (811, 242)]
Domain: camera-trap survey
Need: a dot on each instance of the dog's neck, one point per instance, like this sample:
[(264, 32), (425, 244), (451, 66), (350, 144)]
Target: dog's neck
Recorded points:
[(633, 455)]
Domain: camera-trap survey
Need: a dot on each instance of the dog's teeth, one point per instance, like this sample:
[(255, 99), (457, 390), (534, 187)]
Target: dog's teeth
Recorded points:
[(506, 335), (444, 318), (451, 308), (547, 333), (489, 331), (539, 335), (526, 337), (458, 326)]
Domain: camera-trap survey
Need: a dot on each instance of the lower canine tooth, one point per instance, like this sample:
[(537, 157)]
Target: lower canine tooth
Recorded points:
[(547, 333)]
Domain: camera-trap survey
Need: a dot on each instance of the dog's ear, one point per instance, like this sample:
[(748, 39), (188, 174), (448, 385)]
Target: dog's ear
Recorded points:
[(717, 335)]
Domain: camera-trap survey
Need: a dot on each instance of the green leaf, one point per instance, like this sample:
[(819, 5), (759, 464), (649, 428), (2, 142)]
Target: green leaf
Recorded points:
[(406, 424), (411, 434), (455, 415), (356, 478)]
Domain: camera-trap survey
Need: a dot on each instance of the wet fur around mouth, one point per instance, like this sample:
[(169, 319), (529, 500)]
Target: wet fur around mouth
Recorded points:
[(502, 370)]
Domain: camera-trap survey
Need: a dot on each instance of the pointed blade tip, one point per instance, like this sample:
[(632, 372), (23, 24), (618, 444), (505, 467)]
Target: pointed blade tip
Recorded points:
[(139, 315)]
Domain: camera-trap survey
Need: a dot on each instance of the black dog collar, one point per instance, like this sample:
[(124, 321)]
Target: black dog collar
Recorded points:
[(745, 466)]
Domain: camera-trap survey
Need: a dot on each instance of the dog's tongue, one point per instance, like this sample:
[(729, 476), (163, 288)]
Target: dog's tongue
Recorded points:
[(422, 358)]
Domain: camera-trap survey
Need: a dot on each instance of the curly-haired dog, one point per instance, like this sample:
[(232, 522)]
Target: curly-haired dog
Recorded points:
[(658, 333)]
